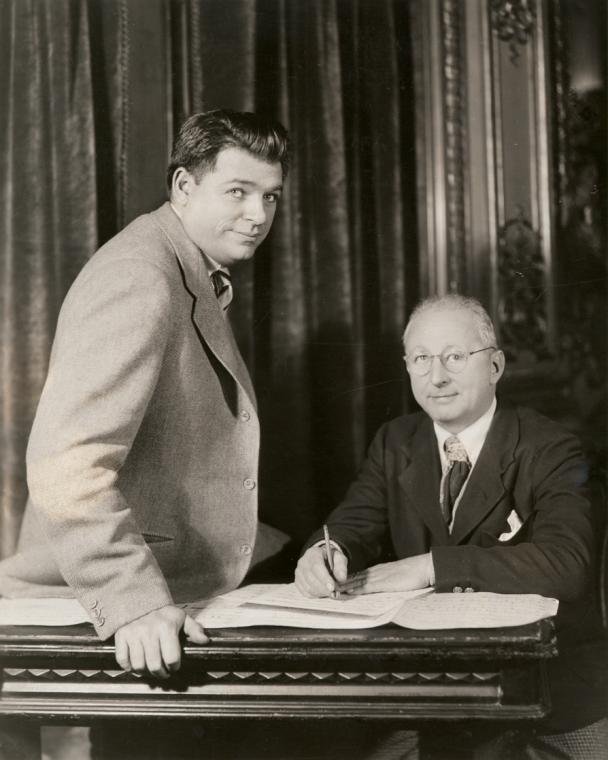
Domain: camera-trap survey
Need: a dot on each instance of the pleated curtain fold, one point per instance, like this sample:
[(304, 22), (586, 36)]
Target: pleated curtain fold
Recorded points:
[(320, 310)]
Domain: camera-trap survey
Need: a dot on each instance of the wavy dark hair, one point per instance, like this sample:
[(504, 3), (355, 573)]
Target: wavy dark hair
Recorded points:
[(203, 135)]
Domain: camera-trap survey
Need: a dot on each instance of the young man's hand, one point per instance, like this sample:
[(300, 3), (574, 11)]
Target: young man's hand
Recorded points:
[(151, 643), (312, 574)]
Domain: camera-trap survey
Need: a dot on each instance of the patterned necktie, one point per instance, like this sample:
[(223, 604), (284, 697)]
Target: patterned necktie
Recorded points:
[(222, 285), (454, 477)]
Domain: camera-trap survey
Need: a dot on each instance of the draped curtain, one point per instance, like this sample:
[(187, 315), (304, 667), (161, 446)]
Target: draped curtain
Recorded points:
[(91, 92)]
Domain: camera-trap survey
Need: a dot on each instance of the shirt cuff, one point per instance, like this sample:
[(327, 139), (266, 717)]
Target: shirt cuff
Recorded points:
[(333, 543), (430, 568)]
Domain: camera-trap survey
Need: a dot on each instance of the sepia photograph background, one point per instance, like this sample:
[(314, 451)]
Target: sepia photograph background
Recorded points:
[(438, 145)]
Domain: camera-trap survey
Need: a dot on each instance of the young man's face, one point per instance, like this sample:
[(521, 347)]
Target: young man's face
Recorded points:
[(229, 212), (454, 401)]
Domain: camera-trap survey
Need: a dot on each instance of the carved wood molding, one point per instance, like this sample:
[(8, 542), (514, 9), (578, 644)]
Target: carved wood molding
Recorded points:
[(276, 674), (256, 677), (521, 305), (513, 21), (437, 27), (453, 70), (560, 81), (285, 694)]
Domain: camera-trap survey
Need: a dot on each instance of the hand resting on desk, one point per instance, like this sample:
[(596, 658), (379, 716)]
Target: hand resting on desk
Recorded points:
[(151, 642), (407, 574)]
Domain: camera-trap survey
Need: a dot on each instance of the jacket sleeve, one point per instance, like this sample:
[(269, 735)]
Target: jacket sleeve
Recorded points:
[(109, 347), (552, 553), (359, 524)]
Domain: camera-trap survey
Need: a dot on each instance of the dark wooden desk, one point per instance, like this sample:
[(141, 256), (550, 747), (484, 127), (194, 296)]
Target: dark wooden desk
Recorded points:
[(384, 674)]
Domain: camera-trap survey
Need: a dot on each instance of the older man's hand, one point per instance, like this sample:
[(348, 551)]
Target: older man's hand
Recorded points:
[(402, 575), (312, 573), (151, 642)]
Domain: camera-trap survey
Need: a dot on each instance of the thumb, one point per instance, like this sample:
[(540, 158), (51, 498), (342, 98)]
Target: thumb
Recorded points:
[(340, 566), (194, 631)]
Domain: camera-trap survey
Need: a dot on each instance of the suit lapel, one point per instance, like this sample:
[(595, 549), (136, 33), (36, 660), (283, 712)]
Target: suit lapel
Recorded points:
[(211, 324), (486, 487), (421, 477)]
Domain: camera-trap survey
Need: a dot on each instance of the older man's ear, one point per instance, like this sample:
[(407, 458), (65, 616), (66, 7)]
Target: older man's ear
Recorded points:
[(497, 366)]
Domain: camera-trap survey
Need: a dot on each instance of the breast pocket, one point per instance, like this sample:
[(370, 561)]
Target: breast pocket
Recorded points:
[(512, 531)]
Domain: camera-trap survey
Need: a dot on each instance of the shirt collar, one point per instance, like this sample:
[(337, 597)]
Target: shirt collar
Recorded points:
[(472, 437), (212, 265)]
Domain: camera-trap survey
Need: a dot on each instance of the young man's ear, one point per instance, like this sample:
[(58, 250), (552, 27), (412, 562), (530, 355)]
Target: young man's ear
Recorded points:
[(181, 185)]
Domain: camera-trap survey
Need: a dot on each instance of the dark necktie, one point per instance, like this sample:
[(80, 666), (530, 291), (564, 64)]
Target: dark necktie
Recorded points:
[(222, 286), (454, 477)]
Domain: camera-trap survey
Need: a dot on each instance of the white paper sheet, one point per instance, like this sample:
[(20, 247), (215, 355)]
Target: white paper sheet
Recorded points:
[(48, 611), (282, 605), (369, 605), (477, 610), (256, 614)]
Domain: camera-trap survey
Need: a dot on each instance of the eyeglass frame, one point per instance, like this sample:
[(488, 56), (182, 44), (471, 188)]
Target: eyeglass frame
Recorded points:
[(440, 357)]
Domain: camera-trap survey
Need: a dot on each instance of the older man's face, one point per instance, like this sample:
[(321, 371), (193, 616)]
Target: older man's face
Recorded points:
[(454, 401)]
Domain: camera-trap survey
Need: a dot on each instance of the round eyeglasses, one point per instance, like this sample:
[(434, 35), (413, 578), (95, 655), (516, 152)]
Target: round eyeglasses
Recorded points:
[(453, 359)]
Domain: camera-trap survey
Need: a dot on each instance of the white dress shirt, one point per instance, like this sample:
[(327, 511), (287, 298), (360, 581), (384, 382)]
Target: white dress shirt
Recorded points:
[(472, 438)]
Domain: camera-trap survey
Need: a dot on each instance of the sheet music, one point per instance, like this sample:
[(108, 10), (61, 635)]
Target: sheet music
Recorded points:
[(282, 605), (230, 599), (257, 614), (369, 605), (477, 610)]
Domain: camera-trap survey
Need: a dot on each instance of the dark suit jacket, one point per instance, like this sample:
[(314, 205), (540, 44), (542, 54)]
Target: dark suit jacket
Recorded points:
[(143, 458), (528, 464)]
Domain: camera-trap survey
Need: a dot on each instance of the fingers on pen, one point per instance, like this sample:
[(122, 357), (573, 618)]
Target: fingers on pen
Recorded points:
[(311, 575), (320, 579), (340, 566), (310, 585)]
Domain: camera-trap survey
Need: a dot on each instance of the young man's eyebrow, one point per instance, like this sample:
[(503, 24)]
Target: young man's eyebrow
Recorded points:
[(249, 183)]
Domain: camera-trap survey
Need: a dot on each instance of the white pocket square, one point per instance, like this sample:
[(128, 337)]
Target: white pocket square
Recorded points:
[(514, 523)]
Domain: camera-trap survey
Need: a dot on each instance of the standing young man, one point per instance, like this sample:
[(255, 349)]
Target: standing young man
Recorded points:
[(143, 458)]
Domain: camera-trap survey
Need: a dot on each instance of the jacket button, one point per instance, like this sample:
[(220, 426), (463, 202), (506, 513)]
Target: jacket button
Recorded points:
[(244, 415), (457, 589), (469, 590), (245, 549), (101, 620), (249, 484)]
